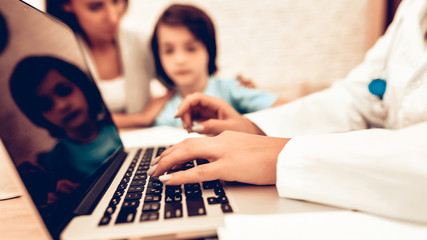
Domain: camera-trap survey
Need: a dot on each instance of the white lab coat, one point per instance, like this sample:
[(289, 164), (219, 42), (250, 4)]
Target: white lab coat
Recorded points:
[(349, 148)]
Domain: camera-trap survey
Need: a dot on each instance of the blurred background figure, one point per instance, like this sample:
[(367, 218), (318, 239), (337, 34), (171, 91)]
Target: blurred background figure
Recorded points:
[(288, 48), (184, 48), (119, 58)]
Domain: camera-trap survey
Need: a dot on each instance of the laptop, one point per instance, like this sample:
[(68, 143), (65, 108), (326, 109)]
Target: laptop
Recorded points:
[(84, 183)]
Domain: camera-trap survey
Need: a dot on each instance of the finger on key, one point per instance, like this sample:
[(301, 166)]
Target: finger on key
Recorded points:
[(189, 149), (205, 172)]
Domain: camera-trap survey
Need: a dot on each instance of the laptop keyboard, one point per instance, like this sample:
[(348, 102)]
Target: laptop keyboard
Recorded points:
[(160, 201)]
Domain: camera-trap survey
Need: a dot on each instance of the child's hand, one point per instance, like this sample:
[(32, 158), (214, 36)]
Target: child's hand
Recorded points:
[(245, 82)]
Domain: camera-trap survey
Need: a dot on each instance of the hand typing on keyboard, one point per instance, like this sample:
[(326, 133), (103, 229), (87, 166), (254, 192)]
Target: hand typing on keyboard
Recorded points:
[(142, 198), (233, 156)]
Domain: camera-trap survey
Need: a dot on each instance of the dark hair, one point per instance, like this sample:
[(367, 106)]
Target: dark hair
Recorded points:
[(198, 22), (31, 71), (56, 8), (4, 33)]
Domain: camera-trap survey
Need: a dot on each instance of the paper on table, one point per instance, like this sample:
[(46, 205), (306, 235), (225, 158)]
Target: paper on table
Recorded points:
[(8, 189), (319, 225), (155, 136)]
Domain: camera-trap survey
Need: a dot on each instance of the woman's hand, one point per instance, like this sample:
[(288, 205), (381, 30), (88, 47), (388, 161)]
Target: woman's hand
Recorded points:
[(146, 117), (214, 115), (232, 156)]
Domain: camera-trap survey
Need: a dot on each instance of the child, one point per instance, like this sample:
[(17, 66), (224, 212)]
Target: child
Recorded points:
[(59, 97), (184, 48)]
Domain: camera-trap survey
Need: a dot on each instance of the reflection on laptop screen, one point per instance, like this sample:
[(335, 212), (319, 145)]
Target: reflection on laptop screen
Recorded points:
[(67, 150), (53, 121)]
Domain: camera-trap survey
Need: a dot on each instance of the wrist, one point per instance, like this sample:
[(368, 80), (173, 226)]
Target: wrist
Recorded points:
[(252, 127)]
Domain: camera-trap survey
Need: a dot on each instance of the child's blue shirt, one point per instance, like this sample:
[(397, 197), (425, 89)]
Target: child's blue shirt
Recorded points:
[(244, 100)]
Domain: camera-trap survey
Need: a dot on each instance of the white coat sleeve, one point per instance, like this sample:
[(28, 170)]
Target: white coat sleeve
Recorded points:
[(378, 171)]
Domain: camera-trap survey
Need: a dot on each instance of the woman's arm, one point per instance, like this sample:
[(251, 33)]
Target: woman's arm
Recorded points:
[(146, 117), (233, 156)]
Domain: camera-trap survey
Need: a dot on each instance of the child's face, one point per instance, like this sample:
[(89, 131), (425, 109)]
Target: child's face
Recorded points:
[(62, 102), (99, 19), (184, 58)]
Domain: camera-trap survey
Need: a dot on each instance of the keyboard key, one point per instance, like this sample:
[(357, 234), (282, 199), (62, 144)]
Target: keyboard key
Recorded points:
[(141, 172), (132, 196), (153, 198), (145, 162), (149, 216), (213, 200), (105, 220), (135, 189), (192, 190), (173, 210), (122, 186), (138, 183), (126, 215), (119, 193), (151, 207), (125, 180), (223, 199), (110, 209), (140, 177), (192, 186), (173, 189), (155, 184), (147, 155), (160, 150), (209, 185), (144, 168), (193, 193), (114, 201), (173, 198), (226, 208), (219, 191), (195, 206), (131, 203), (155, 191)]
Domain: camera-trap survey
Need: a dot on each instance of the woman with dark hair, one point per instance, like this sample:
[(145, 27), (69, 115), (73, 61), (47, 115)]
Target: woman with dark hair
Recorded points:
[(185, 50), (59, 97), (119, 59), (4, 33)]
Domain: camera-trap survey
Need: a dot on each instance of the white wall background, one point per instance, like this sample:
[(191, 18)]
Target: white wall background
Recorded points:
[(289, 47)]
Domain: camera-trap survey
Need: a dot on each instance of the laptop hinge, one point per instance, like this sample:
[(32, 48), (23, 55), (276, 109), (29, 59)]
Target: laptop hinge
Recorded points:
[(100, 186)]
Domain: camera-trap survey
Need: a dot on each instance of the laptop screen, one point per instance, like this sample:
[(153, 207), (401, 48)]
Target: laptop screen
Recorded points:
[(54, 123)]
